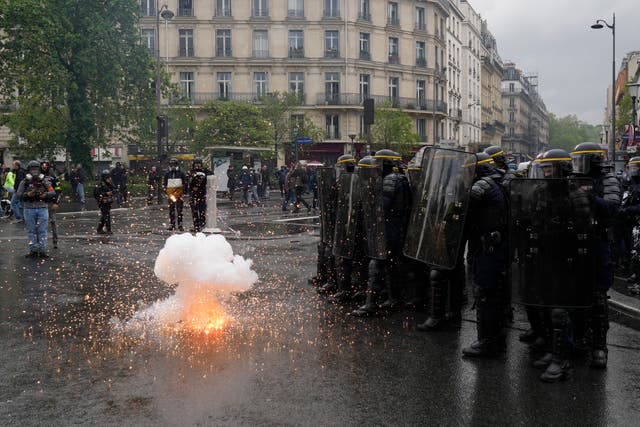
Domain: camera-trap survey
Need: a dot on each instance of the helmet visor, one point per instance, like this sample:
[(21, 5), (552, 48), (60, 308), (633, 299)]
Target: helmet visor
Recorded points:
[(581, 163), (633, 168)]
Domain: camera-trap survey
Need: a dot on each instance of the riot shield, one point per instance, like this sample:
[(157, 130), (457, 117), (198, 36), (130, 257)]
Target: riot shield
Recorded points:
[(327, 200), (373, 212), (551, 237), (413, 176), (436, 227), (347, 207)]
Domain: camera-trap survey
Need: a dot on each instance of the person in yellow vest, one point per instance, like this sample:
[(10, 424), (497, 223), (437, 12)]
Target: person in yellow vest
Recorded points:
[(175, 184)]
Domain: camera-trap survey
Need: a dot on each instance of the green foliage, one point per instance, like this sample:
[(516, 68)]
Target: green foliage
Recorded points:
[(276, 110), (393, 129), (80, 69), (624, 112), (231, 123), (567, 132)]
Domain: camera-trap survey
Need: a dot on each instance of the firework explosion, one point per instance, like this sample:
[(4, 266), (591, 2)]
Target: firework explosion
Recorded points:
[(206, 273)]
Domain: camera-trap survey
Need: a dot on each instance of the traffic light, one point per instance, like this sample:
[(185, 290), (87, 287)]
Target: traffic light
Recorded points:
[(163, 126)]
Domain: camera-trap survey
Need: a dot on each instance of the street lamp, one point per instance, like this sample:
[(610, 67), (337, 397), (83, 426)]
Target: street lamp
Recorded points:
[(600, 23), (634, 91), (352, 136), (161, 128)]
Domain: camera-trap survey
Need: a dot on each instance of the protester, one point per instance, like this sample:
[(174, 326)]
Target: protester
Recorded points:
[(119, 180), (18, 174), (175, 184), (154, 186), (231, 181), (104, 194), (77, 177)]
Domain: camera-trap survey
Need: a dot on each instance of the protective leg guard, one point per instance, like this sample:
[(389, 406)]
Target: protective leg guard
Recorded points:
[(599, 327), (560, 367), (438, 281), (491, 338)]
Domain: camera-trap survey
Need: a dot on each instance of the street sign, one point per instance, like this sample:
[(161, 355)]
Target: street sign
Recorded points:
[(302, 140)]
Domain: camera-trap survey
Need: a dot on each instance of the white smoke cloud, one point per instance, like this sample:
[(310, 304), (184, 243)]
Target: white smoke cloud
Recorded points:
[(205, 270)]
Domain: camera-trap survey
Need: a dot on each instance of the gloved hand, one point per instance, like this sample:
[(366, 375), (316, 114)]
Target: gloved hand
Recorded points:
[(31, 194)]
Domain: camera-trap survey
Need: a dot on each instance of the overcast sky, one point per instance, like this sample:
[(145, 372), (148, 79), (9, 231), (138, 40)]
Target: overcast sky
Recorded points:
[(553, 38)]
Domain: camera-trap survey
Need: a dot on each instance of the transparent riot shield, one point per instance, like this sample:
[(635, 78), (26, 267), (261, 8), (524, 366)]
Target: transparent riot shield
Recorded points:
[(347, 207), (436, 227), (373, 211), (327, 202), (551, 239)]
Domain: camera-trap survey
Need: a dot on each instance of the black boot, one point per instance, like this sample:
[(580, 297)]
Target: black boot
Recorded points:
[(560, 367), (491, 339), (599, 327), (437, 309)]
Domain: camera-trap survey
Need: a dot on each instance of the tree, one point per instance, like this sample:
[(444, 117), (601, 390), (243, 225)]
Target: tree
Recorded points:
[(624, 112), (567, 132), (304, 127), (79, 66), (393, 129), (231, 123), (276, 109)]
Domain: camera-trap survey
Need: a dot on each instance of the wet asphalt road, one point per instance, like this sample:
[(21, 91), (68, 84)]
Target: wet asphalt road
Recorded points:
[(290, 358)]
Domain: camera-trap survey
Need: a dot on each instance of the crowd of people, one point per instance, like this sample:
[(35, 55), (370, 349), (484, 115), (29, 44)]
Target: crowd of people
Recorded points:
[(420, 236)]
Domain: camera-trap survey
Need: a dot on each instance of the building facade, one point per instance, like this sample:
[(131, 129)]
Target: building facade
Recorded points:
[(471, 81), (491, 96), (454, 73), (333, 53), (525, 115)]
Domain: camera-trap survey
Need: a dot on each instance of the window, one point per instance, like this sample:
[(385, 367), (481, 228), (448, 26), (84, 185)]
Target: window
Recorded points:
[(365, 53), (149, 40), (333, 126), (260, 44), (421, 23), (295, 8), (393, 90), (260, 84), (331, 44), (512, 116), (365, 83), (421, 91), (148, 7), (186, 43), (296, 85), (260, 8), (365, 10), (512, 87), (421, 129), (223, 7), (331, 9), (332, 88), (223, 43), (296, 44), (224, 85), (393, 50), (393, 14), (185, 8), (421, 56), (187, 84), (512, 101)]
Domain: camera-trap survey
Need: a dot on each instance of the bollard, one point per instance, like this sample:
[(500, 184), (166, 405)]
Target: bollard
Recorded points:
[(212, 206)]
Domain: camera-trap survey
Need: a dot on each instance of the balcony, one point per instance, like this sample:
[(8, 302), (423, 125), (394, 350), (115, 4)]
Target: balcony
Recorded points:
[(296, 52), (364, 16), (201, 98), (394, 58), (260, 13), (393, 22), (260, 53), (185, 52), (223, 12), (295, 13), (355, 99), (365, 55), (331, 53), (185, 11), (421, 62), (421, 26)]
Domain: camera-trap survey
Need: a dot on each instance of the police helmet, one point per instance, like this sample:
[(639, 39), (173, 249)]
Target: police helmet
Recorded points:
[(44, 165), (484, 164), (497, 154), (368, 162), (633, 167), (388, 158), (555, 163), (33, 164), (586, 157), (105, 174), (173, 162), (346, 162)]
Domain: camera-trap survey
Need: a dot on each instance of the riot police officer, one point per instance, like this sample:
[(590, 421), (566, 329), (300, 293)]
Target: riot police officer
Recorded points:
[(386, 208), (628, 218), (604, 197), (500, 160), (487, 237)]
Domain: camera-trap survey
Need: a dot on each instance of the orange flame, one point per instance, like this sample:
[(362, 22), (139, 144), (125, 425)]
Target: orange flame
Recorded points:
[(205, 315)]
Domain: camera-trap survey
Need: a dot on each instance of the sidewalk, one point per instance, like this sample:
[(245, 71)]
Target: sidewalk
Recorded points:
[(624, 305)]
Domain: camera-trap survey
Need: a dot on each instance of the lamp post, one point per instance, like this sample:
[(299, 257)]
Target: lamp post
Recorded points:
[(600, 23), (352, 136), (161, 121), (634, 91)]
